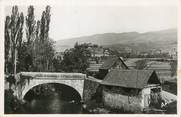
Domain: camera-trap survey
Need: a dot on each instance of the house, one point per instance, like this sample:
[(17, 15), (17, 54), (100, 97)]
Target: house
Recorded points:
[(173, 53), (111, 63), (106, 52), (163, 69), (97, 52), (59, 54), (93, 69), (132, 90)]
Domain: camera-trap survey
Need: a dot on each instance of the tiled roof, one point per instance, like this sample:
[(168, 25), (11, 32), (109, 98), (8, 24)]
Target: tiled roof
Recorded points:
[(128, 78)]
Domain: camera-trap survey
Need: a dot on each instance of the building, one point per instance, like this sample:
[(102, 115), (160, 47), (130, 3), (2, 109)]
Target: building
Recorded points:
[(93, 69), (132, 90), (106, 52), (59, 54), (97, 52), (112, 62), (173, 53), (163, 69)]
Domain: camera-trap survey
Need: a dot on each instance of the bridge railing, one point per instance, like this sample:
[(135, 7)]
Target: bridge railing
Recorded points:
[(53, 75)]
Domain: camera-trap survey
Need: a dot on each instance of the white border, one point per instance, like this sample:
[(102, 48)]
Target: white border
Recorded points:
[(94, 3)]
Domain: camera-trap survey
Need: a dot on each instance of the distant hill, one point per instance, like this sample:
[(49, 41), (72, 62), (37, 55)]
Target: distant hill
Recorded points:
[(164, 40)]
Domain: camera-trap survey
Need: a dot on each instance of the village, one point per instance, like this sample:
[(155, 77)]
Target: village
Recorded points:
[(130, 85), (108, 73), (116, 84)]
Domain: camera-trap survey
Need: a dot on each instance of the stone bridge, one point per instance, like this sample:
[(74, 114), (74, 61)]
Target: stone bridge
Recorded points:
[(27, 80)]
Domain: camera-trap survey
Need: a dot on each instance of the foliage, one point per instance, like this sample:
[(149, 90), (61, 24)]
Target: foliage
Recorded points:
[(13, 36), (44, 55), (76, 59), (12, 104), (44, 51), (28, 48), (7, 42), (11, 80), (57, 64), (30, 25), (44, 26), (141, 64), (36, 52), (44, 90)]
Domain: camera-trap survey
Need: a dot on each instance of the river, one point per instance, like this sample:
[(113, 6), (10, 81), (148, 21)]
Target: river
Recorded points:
[(53, 104)]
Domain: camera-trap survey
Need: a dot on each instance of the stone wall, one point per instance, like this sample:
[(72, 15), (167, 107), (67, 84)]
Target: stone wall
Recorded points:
[(119, 101), (90, 88)]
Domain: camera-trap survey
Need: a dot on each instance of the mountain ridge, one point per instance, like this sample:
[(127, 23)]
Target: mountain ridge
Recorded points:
[(156, 38)]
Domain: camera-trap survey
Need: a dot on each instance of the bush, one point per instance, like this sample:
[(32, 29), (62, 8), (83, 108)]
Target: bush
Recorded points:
[(12, 104)]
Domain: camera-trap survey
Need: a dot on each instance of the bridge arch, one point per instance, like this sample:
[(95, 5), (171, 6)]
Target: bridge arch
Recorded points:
[(27, 80), (63, 89), (34, 83)]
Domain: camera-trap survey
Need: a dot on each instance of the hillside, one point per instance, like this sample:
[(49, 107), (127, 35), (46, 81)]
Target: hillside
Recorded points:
[(164, 40)]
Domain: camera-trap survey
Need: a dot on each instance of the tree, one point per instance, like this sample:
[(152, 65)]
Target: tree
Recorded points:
[(36, 46), (7, 42), (45, 21), (15, 31), (25, 59), (44, 51), (30, 36), (76, 59), (141, 64), (37, 52), (30, 25), (57, 63)]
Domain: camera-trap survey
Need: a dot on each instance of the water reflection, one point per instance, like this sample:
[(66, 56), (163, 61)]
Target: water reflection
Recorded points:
[(61, 99), (52, 105)]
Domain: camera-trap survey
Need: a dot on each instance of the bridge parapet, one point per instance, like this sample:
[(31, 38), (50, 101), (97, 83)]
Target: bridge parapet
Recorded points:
[(58, 76)]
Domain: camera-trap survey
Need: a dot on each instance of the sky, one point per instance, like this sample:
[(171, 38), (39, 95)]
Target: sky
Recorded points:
[(68, 21)]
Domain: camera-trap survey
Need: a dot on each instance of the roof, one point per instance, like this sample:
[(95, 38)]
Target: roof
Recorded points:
[(129, 78), (110, 62), (131, 62)]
